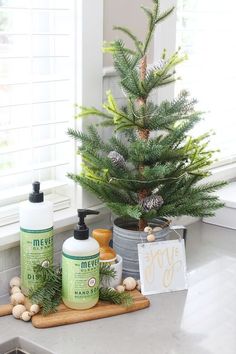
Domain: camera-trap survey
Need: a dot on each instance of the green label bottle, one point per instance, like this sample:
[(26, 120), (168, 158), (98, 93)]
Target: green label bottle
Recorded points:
[(80, 279), (36, 237), (80, 267), (36, 247)]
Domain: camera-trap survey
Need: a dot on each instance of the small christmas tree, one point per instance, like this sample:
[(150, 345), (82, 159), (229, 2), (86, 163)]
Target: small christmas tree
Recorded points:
[(151, 166)]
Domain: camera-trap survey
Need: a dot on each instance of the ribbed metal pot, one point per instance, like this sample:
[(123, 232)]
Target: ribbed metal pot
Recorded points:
[(125, 241)]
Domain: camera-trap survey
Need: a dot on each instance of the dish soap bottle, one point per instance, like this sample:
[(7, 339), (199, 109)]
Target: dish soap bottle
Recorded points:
[(36, 236), (80, 267)]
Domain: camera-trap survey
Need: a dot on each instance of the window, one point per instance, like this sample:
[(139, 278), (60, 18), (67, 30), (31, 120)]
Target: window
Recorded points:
[(206, 31), (50, 58), (37, 96)]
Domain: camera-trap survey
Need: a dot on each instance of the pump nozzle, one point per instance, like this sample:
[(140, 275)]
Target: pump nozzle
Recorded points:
[(81, 231), (36, 196)]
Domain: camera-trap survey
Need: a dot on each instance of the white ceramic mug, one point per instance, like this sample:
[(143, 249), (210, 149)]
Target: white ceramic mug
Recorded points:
[(113, 283)]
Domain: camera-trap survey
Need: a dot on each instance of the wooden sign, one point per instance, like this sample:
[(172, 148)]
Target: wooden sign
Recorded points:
[(162, 266)]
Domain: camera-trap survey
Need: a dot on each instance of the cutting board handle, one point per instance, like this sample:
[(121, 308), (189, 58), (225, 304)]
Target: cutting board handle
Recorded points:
[(5, 309)]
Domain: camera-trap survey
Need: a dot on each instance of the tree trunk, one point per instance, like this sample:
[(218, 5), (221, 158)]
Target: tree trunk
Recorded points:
[(142, 223), (143, 135)]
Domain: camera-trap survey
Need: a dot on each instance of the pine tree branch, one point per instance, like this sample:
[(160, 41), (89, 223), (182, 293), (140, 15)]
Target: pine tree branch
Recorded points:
[(164, 14), (108, 294), (132, 211), (130, 35), (48, 294), (92, 111)]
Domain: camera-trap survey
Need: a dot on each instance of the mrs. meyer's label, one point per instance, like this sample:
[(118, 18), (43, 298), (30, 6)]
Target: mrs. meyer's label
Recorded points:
[(80, 278), (36, 248)]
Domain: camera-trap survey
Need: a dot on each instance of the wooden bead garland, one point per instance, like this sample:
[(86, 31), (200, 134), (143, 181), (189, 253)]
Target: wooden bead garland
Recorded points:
[(150, 237), (129, 284), (18, 310), (18, 300)]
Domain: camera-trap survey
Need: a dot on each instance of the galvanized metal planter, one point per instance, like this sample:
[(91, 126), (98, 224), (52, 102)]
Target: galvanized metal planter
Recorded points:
[(125, 240)]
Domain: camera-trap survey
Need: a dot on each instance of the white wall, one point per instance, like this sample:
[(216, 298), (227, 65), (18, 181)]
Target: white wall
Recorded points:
[(125, 13)]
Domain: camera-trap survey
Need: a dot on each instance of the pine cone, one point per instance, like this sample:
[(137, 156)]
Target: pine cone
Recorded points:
[(117, 159), (153, 201)]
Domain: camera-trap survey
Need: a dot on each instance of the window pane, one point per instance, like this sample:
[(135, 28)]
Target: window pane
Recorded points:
[(209, 74), (36, 92)]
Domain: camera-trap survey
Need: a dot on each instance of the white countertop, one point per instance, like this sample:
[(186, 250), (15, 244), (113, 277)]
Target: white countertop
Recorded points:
[(198, 321)]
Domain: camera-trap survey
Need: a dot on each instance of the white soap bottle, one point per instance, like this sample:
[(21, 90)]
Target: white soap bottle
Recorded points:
[(80, 267), (36, 236)]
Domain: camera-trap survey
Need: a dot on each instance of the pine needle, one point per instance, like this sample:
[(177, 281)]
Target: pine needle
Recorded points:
[(106, 273), (108, 294), (48, 295)]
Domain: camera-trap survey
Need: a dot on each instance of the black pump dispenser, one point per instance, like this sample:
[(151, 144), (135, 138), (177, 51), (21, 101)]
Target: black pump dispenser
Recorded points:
[(36, 196), (81, 231)]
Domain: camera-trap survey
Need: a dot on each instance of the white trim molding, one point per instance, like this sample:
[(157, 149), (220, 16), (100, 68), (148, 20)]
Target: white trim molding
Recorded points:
[(89, 74)]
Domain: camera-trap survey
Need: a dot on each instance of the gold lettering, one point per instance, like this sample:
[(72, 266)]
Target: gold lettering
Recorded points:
[(169, 273), (166, 259)]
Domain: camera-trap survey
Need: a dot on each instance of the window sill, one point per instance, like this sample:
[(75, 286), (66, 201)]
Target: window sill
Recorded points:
[(67, 218), (63, 220), (226, 172)]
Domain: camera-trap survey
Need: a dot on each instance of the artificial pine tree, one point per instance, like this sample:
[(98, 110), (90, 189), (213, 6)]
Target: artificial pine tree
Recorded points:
[(151, 166)]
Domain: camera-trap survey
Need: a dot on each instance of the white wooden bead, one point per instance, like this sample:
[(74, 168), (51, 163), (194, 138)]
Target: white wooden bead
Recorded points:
[(18, 310), (129, 283), (15, 289), (15, 282), (148, 229), (120, 288), (17, 298), (157, 229), (26, 316), (34, 308), (45, 264), (151, 238), (138, 285)]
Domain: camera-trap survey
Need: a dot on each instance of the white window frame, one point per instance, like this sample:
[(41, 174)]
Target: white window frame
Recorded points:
[(165, 37), (88, 84)]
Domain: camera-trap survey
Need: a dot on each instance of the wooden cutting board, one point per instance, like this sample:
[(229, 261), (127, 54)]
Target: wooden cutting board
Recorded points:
[(64, 315), (5, 309)]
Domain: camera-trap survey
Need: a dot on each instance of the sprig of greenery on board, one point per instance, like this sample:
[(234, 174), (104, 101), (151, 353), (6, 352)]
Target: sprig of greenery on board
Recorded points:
[(48, 295), (111, 295)]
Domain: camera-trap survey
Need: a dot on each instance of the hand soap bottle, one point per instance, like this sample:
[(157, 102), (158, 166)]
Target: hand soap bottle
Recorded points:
[(36, 236), (80, 267)]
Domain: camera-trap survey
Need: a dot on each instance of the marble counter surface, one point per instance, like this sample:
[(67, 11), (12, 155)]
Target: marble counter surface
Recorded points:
[(201, 320)]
